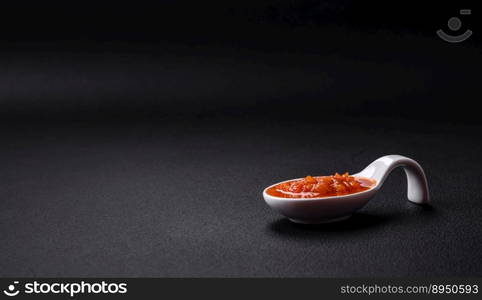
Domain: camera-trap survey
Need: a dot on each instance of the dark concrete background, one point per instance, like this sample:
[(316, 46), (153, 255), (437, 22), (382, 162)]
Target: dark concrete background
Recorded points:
[(183, 198), (136, 139)]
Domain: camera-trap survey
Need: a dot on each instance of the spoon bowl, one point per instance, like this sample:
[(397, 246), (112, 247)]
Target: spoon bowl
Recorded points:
[(337, 208)]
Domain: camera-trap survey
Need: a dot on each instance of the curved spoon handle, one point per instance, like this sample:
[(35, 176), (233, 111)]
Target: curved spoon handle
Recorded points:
[(417, 186)]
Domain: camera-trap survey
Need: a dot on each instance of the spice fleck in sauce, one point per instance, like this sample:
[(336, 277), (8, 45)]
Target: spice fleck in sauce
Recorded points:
[(321, 186)]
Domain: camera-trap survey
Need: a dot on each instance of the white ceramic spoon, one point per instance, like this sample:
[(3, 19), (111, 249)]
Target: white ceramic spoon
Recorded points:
[(337, 208)]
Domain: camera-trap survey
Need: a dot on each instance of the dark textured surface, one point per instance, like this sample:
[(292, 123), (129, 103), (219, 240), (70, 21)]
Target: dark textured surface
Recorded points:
[(136, 138), (183, 198)]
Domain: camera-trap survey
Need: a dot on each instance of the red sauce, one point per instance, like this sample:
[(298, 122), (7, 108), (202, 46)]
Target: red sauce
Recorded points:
[(321, 186)]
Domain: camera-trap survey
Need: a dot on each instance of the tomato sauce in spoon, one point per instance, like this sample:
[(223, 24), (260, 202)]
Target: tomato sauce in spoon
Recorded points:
[(321, 186)]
